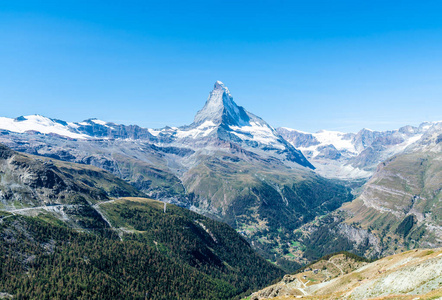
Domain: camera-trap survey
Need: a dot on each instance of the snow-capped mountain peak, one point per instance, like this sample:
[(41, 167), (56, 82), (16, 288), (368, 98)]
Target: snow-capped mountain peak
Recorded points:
[(221, 109), (220, 122), (94, 121), (340, 140), (220, 86), (223, 119)]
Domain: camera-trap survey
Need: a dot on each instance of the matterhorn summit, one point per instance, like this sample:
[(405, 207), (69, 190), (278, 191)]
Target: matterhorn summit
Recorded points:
[(221, 119), (221, 125), (221, 109)]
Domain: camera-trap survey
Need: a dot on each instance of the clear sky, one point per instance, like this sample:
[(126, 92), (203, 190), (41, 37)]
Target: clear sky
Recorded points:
[(309, 65)]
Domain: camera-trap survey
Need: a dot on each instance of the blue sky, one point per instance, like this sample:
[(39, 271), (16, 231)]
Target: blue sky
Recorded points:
[(310, 65)]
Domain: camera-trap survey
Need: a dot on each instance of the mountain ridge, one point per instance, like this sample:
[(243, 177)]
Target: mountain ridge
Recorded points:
[(220, 119)]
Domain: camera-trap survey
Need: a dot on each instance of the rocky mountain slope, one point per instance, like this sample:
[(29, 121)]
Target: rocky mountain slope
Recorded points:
[(401, 204), (139, 162), (415, 274), (30, 185)]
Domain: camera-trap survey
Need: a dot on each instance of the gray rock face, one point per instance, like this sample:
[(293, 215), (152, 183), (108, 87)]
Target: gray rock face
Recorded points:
[(365, 138), (140, 163), (301, 139), (113, 131), (360, 237), (29, 180)]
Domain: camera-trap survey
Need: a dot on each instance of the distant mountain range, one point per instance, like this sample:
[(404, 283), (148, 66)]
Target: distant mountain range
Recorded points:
[(282, 189), (333, 154), (356, 155)]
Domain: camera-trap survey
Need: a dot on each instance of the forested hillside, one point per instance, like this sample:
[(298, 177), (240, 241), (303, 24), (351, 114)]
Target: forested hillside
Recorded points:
[(149, 254)]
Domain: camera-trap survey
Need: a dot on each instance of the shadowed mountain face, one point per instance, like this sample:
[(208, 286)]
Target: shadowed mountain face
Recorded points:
[(220, 109)]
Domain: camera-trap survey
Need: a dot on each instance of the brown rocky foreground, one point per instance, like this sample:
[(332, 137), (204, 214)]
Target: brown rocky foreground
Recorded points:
[(416, 274)]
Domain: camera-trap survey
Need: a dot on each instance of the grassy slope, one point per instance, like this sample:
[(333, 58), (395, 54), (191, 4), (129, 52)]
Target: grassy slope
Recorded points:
[(402, 276)]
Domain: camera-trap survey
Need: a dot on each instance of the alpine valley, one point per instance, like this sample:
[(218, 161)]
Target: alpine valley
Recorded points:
[(291, 197)]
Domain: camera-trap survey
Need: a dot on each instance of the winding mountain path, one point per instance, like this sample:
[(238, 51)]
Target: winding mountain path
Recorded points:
[(339, 268)]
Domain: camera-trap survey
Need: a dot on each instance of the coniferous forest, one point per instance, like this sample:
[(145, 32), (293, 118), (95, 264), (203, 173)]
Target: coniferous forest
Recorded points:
[(172, 255)]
